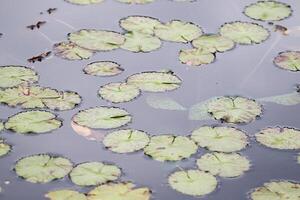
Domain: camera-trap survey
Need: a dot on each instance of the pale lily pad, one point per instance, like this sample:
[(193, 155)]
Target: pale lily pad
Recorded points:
[(279, 138), (164, 103), (141, 24), (224, 165), (222, 139), (268, 11), (97, 40), (126, 140), (71, 51), (170, 148), (155, 81), (66, 101), (84, 2), (12, 76), (213, 43), (4, 148), (102, 117), (31, 122), (244, 32), (103, 68), (234, 109), (65, 195), (140, 42), (196, 57), (289, 99), (43, 168), (119, 92), (178, 31), (94, 173), (136, 1), (193, 182), (289, 60)]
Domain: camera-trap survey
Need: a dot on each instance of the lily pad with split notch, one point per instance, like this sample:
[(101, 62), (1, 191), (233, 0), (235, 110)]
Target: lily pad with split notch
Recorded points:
[(67, 100), (213, 43), (196, 57), (141, 24), (65, 194), (103, 68), (4, 148), (84, 2), (289, 60), (71, 51)]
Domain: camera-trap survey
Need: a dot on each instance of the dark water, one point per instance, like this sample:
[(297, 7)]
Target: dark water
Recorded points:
[(233, 73)]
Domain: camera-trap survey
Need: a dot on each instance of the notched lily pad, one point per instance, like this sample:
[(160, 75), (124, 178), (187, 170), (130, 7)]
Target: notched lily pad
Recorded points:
[(141, 24), (103, 68), (196, 57), (66, 101), (65, 195), (71, 51), (213, 43), (4, 148), (84, 2), (164, 103), (289, 60)]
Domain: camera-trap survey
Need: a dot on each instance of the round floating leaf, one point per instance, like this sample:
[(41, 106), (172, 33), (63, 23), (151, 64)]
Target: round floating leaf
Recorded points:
[(136, 1), (102, 117), (234, 109), (94, 173), (140, 42), (119, 92), (103, 68), (213, 43), (66, 101), (65, 195), (164, 103), (223, 139), (43, 168), (224, 165), (116, 191), (155, 81), (196, 57), (97, 40), (193, 182), (4, 148), (279, 138), (33, 122), (126, 140), (84, 2), (177, 31), (71, 51), (244, 32), (268, 11), (289, 60), (170, 148), (11, 76), (141, 24)]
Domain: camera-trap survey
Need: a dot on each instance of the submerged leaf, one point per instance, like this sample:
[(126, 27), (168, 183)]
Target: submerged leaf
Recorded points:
[(164, 103), (196, 57), (4, 148), (213, 43), (84, 2), (136, 1), (88, 133), (142, 24), (289, 99), (199, 111), (289, 60), (71, 51), (103, 68), (66, 101), (65, 195)]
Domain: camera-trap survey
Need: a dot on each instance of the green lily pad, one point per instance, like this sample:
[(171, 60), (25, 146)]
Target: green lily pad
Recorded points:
[(196, 57), (102, 117), (84, 2), (4, 148), (234, 109), (126, 140), (213, 43), (289, 99), (170, 148), (155, 81), (141, 24), (224, 165), (178, 31), (65, 195), (12, 76), (244, 32), (71, 51), (97, 40), (193, 182), (119, 92), (222, 139), (103, 68), (279, 138), (66, 101), (31, 122), (114, 191), (289, 60), (136, 1), (43, 168), (164, 103), (94, 173), (268, 11)]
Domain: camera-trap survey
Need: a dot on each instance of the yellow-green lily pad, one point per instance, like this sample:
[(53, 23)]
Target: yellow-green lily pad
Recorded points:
[(141, 24), (71, 51), (213, 43), (103, 68), (65, 194), (196, 57), (289, 60)]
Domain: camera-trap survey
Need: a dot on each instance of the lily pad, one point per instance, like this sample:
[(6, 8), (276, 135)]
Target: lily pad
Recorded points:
[(164, 103), (141, 24), (178, 31), (170, 148), (289, 60), (102, 117), (71, 51), (12, 76), (222, 139), (103, 68), (244, 32), (196, 57), (119, 92), (193, 182), (65, 195), (140, 42), (136, 1), (268, 11), (31, 122), (43, 168), (289, 99), (66, 101), (224, 165), (114, 191), (155, 81), (213, 43), (84, 2), (126, 140), (4, 148), (97, 40), (234, 109), (94, 173), (279, 138)]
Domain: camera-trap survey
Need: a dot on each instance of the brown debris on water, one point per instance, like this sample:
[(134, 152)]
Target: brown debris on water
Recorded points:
[(37, 25), (39, 58)]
